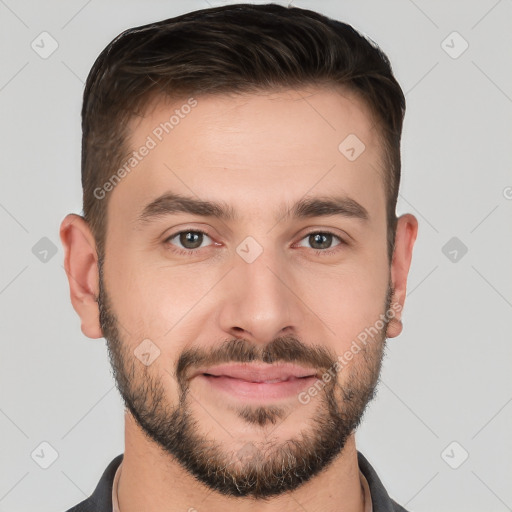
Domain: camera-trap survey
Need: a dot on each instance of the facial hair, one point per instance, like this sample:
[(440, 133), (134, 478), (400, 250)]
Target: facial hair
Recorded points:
[(262, 469)]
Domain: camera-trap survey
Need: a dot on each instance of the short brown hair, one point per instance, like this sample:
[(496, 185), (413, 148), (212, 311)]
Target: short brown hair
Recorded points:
[(230, 49)]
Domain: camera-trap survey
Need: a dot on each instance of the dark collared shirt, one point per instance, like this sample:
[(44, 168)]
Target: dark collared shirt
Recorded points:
[(101, 498)]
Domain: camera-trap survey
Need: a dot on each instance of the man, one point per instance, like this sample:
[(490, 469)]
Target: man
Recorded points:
[(240, 253)]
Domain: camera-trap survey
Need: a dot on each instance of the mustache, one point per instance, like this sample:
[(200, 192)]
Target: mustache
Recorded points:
[(282, 349)]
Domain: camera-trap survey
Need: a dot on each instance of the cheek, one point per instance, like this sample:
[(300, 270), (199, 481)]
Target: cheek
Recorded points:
[(348, 300), (158, 301)]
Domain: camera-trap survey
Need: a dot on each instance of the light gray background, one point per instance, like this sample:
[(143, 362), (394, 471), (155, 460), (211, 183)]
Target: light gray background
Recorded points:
[(446, 378)]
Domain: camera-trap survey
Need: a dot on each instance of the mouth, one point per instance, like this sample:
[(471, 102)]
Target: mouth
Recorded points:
[(257, 381), (258, 373)]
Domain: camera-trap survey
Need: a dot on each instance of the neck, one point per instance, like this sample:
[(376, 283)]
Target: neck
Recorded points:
[(152, 480)]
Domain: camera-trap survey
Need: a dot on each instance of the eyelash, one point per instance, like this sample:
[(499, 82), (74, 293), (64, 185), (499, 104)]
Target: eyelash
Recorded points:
[(193, 252), (331, 250), (185, 252)]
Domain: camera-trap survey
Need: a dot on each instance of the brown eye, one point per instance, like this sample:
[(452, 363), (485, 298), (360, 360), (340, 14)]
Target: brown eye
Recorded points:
[(321, 240), (190, 239)]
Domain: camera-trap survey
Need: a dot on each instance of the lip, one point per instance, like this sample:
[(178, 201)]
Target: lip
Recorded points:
[(255, 382), (258, 373)]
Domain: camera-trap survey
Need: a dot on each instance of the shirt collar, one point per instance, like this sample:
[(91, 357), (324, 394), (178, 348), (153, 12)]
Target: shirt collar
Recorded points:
[(115, 485)]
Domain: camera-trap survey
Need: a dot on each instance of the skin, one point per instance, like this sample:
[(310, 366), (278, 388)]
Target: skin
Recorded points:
[(259, 153)]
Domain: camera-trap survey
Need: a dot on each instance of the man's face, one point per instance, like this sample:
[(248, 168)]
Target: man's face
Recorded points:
[(224, 299)]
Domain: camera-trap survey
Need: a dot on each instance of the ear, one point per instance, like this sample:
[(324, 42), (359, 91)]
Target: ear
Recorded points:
[(406, 231), (81, 265)]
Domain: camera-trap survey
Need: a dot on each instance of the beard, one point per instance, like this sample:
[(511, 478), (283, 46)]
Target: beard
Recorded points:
[(259, 469)]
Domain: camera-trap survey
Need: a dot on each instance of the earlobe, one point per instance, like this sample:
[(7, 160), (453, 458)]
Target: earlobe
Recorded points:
[(81, 266), (406, 232)]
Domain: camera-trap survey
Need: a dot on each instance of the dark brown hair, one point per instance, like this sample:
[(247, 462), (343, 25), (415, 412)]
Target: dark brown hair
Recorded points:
[(231, 49)]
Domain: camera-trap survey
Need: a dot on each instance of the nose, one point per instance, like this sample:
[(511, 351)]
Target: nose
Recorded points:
[(258, 301)]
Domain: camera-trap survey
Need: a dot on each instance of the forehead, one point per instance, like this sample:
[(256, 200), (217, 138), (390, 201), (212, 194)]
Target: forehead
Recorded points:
[(255, 149)]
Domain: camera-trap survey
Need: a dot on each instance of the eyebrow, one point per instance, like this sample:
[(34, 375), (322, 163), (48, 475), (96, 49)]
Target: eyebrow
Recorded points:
[(171, 203)]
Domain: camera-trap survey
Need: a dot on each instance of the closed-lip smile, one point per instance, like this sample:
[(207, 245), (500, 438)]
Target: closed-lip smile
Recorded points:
[(256, 381), (251, 372)]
